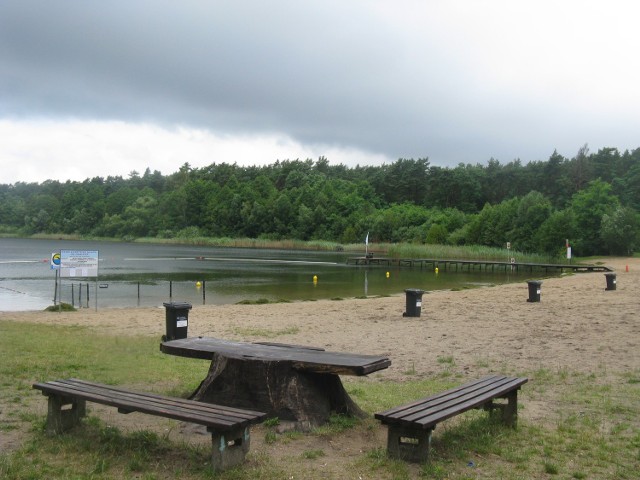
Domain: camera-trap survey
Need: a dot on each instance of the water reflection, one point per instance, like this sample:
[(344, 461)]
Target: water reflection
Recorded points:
[(147, 275)]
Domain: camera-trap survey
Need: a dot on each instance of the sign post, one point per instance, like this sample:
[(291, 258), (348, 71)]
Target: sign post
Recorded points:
[(55, 265)]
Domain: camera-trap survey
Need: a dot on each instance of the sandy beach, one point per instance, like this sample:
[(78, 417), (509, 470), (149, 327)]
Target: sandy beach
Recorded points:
[(577, 325)]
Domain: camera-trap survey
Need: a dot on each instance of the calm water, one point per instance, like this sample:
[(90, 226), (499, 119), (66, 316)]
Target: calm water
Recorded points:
[(132, 275)]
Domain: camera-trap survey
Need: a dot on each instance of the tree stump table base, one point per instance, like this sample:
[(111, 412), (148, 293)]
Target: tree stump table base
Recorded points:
[(306, 399)]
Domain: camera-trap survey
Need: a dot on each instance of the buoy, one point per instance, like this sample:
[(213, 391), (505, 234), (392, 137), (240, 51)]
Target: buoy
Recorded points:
[(437, 271), (315, 279), (387, 274), (198, 284)]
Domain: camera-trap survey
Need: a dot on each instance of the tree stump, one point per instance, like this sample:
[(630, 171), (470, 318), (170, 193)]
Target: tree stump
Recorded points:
[(278, 388)]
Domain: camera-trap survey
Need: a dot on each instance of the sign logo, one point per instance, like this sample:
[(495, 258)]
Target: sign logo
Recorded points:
[(55, 261)]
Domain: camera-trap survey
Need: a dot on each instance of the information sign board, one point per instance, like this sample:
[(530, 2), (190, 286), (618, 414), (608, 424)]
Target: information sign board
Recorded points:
[(78, 263)]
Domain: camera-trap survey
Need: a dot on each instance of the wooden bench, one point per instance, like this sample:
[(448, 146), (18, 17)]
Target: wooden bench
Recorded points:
[(229, 427), (410, 426)]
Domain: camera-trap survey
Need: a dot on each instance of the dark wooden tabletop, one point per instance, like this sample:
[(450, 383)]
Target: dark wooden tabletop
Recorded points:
[(304, 358)]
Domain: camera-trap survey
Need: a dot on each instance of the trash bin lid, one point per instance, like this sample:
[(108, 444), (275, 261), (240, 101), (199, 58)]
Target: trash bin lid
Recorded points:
[(177, 305), (415, 291)]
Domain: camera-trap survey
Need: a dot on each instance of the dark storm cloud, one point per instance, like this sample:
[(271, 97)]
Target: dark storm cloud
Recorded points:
[(246, 67), (382, 77)]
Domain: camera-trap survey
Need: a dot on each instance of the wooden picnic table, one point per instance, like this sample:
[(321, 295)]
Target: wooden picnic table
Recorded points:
[(295, 383)]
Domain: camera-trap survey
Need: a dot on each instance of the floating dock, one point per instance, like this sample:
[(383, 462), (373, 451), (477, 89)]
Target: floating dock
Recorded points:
[(471, 265)]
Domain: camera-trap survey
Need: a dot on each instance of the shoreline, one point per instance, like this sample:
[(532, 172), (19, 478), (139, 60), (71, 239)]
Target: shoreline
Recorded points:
[(577, 324)]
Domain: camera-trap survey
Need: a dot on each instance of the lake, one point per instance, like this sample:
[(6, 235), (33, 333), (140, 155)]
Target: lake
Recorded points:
[(133, 274)]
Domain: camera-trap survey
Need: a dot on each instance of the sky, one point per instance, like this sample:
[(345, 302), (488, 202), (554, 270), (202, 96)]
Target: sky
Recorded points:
[(92, 88)]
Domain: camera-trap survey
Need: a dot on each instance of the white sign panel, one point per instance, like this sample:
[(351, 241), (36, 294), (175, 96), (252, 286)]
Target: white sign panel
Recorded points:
[(78, 263)]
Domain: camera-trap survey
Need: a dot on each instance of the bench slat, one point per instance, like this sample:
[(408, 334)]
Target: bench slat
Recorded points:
[(467, 402), (210, 415), (207, 407), (424, 402), (73, 387), (446, 401), (427, 412)]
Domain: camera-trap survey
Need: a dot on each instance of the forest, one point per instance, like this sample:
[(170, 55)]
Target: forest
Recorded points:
[(592, 200)]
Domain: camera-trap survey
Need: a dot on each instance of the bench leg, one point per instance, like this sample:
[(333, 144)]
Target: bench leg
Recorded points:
[(409, 444), (508, 411), (229, 448), (60, 417)]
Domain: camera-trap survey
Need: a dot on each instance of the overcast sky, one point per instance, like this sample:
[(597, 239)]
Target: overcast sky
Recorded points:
[(92, 88)]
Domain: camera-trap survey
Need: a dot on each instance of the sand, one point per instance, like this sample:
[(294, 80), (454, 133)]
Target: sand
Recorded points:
[(577, 326)]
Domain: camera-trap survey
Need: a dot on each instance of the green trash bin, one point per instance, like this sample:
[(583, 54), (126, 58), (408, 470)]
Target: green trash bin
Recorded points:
[(534, 290), (413, 302), (611, 281), (177, 320)]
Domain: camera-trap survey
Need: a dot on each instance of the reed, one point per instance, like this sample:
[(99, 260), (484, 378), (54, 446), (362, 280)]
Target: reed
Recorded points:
[(471, 252)]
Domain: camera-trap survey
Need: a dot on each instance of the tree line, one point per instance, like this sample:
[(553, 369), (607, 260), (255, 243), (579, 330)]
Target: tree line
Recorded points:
[(592, 199)]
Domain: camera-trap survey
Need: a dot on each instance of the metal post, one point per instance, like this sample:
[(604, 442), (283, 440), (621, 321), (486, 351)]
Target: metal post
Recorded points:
[(55, 290)]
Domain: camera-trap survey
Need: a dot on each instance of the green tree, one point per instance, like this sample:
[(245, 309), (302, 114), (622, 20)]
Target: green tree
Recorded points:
[(619, 231), (140, 219), (437, 234), (589, 206), (552, 235), (533, 209)]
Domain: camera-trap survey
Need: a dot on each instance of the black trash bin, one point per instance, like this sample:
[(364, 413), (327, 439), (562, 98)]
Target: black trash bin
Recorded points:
[(534, 290), (414, 302), (177, 320), (611, 281)]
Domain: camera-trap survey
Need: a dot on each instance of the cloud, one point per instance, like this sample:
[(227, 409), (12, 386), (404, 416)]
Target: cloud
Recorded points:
[(458, 81), (77, 150)]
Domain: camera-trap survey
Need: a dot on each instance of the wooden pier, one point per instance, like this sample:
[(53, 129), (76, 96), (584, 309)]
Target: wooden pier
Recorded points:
[(473, 265)]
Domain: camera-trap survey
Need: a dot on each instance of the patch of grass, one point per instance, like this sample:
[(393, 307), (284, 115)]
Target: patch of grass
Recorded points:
[(262, 301), (271, 422), (337, 423), (589, 428), (411, 370), (448, 360), (551, 468), (270, 437), (61, 307), (265, 333), (259, 301), (313, 454)]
